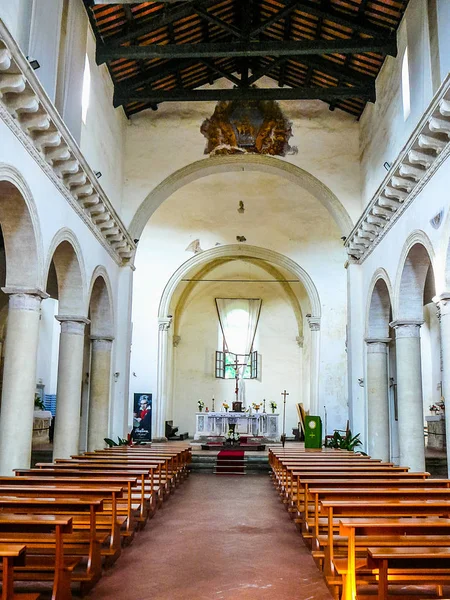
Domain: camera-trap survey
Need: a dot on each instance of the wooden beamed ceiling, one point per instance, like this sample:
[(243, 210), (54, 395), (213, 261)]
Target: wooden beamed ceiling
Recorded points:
[(331, 50)]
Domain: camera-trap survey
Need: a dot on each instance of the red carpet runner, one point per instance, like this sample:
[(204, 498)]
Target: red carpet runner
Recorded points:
[(230, 462)]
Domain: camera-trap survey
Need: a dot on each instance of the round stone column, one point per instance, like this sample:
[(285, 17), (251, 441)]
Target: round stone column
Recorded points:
[(409, 394), (378, 398), (68, 395), (161, 387), (19, 381), (443, 303), (100, 383), (314, 325)]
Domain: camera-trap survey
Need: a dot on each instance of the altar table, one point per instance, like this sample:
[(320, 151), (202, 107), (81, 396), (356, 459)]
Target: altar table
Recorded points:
[(256, 424)]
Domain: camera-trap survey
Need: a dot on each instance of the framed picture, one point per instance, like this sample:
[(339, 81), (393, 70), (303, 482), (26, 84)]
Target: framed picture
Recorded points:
[(142, 417)]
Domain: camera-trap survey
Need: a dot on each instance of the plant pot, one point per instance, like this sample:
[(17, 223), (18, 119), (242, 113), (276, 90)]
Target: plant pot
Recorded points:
[(273, 411)]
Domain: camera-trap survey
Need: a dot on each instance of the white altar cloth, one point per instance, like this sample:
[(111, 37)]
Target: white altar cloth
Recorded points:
[(255, 424)]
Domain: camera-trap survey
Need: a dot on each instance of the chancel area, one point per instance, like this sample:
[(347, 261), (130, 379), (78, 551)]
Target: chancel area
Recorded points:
[(224, 299)]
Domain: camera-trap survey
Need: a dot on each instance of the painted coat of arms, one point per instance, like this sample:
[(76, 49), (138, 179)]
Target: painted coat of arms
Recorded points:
[(253, 126)]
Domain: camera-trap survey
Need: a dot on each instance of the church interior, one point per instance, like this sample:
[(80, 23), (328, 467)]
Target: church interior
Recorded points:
[(224, 299)]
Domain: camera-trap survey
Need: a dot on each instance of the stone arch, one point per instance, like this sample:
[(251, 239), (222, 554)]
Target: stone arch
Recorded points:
[(379, 306), (198, 261), (226, 164), (21, 233), (101, 304), (270, 269), (414, 273), (65, 253)]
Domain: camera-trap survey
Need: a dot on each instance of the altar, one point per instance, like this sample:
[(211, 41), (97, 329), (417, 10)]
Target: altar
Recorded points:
[(264, 425)]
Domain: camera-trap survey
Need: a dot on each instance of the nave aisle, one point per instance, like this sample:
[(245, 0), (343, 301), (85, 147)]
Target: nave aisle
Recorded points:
[(221, 539)]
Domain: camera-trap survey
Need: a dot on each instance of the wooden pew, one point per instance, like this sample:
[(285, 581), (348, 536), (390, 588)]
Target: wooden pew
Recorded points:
[(83, 473), (109, 495), (390, 531), (74, 507), (410, 565), (31, 527), (12, 555)]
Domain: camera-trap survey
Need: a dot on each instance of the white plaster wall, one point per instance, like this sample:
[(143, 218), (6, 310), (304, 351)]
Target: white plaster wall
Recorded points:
[(47, 356), (430, 340), (159, 143), (102, 136), (384, 130), (17, 16), (281, 357), (279, 216)]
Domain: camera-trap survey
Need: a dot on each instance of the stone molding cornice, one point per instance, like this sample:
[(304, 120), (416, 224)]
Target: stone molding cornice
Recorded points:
[(426, 150), (29, 113)]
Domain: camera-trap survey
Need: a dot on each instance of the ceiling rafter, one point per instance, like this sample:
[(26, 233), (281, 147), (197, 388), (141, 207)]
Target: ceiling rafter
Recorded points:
[(156, 51), (196, 95), (204, 14), (242, 49)]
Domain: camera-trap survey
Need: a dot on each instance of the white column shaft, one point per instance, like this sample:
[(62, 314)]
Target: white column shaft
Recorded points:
[(162, 383), (19, 382), (99, 393), (378, 400), (445, 348), (409, 394), (68, 403)]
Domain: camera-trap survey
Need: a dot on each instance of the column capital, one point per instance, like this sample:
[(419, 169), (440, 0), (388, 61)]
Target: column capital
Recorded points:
[(378, 340), (22, 291), (102, 342), (313, 322), (21, 301), (406, 328), (74, 318), (377, 345), (72, 325), (164, 323)]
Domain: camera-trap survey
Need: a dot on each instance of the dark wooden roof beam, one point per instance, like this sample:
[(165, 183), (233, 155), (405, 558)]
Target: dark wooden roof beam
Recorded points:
[(299, 93), (381, 46), (281, 14), (341, 18), (204, 14), (221, 72), (266, 69)]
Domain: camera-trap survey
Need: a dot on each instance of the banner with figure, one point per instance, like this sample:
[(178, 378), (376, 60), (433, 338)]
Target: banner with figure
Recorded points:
[(142, 418)]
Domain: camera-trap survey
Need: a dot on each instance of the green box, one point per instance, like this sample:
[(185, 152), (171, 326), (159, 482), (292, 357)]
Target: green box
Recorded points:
[(313, 432)]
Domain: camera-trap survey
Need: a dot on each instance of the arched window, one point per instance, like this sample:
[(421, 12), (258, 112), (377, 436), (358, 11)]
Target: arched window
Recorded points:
[(406, 90)]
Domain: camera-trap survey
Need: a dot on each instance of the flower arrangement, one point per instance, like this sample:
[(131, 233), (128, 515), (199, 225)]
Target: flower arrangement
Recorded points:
[(438, 408), (201, 405), (273, 406), (226, 406), (256, 406), (232, 436)]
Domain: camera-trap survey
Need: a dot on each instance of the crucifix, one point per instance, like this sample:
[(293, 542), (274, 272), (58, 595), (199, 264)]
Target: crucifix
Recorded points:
[(283, 435)]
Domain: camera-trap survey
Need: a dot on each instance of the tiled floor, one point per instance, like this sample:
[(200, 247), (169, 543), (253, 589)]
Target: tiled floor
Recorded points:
[(217, 538)]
